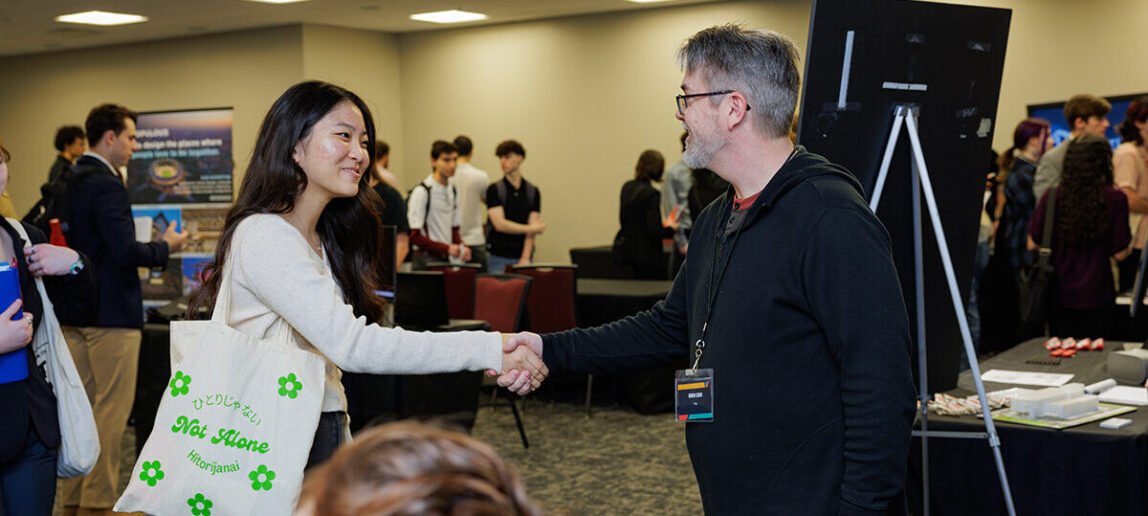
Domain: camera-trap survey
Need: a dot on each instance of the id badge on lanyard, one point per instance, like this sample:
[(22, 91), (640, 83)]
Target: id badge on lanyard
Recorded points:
[(694, 395)]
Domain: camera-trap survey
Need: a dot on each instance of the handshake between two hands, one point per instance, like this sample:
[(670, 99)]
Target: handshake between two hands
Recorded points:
[(522, 368)]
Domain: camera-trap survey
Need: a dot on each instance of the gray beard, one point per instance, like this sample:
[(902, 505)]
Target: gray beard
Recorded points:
[(699, 155)]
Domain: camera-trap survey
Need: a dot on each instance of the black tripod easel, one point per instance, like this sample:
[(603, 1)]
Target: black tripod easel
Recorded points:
[(906, 115)]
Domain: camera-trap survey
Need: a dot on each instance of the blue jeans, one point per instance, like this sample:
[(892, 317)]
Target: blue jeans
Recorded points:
[(28, 481), (497, 264), (328, 437)]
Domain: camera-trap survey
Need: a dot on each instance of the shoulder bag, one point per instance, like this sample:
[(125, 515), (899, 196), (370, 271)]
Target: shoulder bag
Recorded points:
[(1038, 280), (79, 440)]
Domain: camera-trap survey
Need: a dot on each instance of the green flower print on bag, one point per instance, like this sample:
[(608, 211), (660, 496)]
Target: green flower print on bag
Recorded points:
[(200, 505), (179, 383), (261, 478), (289, 386), (151, 473)]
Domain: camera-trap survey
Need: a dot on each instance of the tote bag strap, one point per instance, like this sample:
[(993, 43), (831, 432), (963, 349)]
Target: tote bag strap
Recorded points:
[(49, 316), (222, 310), (1049, 218), (222, 307)]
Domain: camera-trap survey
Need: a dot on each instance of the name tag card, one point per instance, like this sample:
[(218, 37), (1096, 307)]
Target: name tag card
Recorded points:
[(694, 395)]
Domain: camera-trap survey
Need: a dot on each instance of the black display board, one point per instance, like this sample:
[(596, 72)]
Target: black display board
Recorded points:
[(947, 60)]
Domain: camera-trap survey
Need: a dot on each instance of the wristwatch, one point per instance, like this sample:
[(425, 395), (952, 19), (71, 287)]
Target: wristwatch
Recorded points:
[(76, 267)]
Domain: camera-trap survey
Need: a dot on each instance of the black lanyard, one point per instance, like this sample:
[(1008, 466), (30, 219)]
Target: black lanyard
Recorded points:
[(700, 344), (711, 291)]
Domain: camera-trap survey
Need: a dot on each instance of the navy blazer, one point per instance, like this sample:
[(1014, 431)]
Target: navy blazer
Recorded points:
[(102, 229), (31, 401)]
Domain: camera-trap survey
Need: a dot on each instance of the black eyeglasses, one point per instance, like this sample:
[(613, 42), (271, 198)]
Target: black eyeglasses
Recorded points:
[(683, 100)]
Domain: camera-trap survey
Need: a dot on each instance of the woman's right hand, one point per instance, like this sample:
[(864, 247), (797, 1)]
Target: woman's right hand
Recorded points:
[(14, 334)]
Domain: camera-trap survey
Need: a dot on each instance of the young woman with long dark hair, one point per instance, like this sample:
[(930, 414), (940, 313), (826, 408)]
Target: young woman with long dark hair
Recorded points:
[(300, 251), (1090, 225)]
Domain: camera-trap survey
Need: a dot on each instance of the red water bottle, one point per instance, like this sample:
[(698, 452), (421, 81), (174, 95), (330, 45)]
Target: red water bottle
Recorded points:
[(57, 236)]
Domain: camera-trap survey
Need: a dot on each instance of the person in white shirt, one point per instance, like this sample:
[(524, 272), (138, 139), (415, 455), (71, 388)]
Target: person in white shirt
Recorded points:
[(297, 252), (471, 183), (1085, 114), (432, 212)]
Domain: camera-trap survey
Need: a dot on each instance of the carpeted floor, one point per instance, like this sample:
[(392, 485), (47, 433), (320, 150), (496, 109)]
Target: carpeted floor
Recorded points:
[(614, 462)]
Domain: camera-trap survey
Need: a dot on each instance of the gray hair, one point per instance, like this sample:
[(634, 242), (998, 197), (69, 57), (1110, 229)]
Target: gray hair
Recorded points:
[(762, 65)]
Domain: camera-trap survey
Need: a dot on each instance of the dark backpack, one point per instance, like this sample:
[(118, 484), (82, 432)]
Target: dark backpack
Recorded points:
[(426, 214), (55, 202), (500, 188)]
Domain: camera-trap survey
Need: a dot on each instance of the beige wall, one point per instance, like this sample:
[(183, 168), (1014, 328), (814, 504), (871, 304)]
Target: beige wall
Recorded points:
[(1058, 48), (367, 63), (584, 94), (41, 92)]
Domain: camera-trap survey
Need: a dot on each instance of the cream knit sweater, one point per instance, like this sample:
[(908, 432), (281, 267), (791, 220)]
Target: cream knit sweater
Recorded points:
[(278, 282)]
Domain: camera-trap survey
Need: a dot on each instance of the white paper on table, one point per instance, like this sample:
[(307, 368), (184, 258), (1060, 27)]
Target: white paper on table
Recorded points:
[(1026, 378), (1125, 395)]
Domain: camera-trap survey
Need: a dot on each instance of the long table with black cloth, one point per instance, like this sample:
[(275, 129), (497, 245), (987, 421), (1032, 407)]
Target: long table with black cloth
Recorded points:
[(1080, 471)]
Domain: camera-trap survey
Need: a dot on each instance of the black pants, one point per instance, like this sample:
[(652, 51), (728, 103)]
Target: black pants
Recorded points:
[(1128, 269), (28, 481), (1079, 324), (328, 437)]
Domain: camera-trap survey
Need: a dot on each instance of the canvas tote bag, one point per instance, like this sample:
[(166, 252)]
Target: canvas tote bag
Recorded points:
[(235, 426), (79, 440)]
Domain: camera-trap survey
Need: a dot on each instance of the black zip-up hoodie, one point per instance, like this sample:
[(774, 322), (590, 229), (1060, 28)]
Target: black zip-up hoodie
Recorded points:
[(809, 342)]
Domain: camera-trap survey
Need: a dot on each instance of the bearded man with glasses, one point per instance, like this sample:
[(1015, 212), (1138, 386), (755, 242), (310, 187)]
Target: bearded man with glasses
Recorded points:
[(799, 398)]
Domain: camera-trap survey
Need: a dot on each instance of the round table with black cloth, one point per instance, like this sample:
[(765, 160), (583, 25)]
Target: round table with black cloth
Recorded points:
[(1080, 471)]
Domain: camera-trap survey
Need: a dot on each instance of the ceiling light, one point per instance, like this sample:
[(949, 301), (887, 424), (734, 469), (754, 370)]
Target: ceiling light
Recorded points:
[(451, 16), (278, 1), (101, 18)]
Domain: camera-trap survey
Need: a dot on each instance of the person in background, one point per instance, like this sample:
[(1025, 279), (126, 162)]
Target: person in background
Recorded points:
[(30, 434), (382, 161), (1130, 170), (300, 247), (1030, 140), (1085, 114), (707, 187), (432, 211), (471, 183), (1090, 225), (638, 243), (410, 468), (394, 211), (514, 210), (107, 352), (70, 145), (6, 207), (675, 194)]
